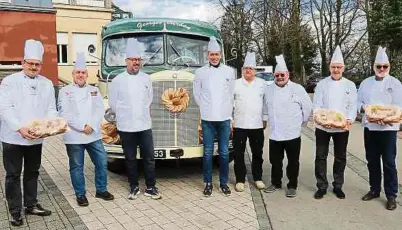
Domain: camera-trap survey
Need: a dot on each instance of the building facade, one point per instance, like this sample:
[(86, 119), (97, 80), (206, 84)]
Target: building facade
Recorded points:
[(78, 25), (21, 20)]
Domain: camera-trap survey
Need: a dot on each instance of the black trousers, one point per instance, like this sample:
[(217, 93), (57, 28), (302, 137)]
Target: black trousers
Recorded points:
[(276, 155), (340, 140), (256, 140), (130, 142), (381, 145), (14, 156)]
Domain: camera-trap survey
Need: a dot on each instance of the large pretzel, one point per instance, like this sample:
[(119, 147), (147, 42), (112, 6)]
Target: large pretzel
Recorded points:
[(326, 117), (175, 100), (109, 133), (388, 114)]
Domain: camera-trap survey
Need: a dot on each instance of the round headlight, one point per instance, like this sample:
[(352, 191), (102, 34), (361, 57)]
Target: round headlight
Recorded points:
[(110, 116)]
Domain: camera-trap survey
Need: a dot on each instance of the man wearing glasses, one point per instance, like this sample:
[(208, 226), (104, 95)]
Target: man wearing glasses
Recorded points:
[(335, 93), (288, 107), (130, 98), (380, 138), (25, 96)]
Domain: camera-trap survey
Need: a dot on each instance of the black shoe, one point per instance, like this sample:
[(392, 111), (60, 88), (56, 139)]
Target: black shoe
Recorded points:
[(104, 195), (37, 210), (16, 219), (320, 193), (82, 201), (391, 203), (225, 190), (339, 193), (370, 195), (208, 189)]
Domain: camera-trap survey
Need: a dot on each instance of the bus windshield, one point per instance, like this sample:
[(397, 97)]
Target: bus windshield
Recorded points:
[(151, 47), (186, 50)]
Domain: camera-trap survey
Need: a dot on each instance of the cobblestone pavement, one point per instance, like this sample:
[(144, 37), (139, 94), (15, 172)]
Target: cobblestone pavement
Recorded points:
[(182, 206)]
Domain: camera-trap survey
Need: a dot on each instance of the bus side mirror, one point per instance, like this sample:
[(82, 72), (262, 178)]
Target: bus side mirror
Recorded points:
[(91, 49), (233, 52)]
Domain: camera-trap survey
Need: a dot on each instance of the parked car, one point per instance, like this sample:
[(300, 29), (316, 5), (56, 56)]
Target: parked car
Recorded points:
[(268, 77), (311, 83)]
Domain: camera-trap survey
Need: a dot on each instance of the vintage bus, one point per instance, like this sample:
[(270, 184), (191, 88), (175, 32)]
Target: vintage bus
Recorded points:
[(172, 50)]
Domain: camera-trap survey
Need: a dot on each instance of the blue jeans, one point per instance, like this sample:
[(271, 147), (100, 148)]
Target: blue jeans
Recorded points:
[(381, 145), (130, 141), (98, 156), (209, 130)]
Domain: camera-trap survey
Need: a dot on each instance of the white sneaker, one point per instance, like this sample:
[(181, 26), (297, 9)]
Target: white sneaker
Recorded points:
[(133, 193), (259, 184), (239, 187)]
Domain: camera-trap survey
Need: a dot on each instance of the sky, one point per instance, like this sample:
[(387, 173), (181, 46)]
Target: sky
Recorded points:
[(203, 10)]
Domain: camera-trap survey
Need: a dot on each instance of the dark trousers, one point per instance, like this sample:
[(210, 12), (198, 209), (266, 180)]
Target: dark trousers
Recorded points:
[(14, 156), (276, 155), (130, 141), (256, 140), (340, 140), (381, 145)]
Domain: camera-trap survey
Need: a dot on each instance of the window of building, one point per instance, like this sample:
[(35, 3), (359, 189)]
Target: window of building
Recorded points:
[(81, 44), (62, 48)]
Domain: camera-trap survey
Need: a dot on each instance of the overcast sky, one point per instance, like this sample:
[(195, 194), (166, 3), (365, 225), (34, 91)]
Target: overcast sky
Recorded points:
[(187, 9)]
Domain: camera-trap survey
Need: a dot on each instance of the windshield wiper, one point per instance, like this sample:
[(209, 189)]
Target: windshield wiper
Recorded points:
[(153, 55), (174, 49)]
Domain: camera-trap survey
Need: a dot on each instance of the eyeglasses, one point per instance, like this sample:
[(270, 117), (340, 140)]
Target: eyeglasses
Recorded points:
[(33, 64), (280, 75), (382, 66), (134, 59)]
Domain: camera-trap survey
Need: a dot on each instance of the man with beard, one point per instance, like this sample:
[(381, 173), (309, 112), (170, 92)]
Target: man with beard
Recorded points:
[(288, 107), (380, 138), (249, 123), (213, 92), (25, 96), (82, 107), (335, 93), (130, 98)]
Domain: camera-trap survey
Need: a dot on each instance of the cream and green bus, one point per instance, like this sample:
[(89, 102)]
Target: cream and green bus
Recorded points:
[(172, 49)]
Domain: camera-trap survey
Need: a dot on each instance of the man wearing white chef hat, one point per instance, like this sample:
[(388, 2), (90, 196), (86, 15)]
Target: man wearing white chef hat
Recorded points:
[(380, 138), (25, 96), (249, 123), (339, 94), (288, 107), (82, 107), (130, 98), (213, 89)]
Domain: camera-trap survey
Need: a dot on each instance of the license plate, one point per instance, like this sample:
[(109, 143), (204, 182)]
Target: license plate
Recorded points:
[(159, 153)]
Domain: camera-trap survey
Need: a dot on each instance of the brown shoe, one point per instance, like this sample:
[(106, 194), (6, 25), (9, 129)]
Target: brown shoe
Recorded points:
[(370, 195)]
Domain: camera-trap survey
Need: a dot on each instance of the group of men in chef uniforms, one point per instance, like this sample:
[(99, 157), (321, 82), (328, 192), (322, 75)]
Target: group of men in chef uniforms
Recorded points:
[(227, 105)]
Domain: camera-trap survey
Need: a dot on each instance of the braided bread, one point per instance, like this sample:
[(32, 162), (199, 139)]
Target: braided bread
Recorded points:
[(109, 133), (48, 127), (327, 117), (388, 114), (176, 100)]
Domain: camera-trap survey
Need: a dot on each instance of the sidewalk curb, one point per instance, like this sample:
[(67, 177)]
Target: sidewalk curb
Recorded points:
[(260, 207)]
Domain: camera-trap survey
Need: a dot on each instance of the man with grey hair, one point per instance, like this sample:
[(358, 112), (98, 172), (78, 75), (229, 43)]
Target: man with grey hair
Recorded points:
[(288, 107)]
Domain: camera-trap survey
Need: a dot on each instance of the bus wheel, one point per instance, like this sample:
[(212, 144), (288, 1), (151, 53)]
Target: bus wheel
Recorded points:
[(116, 165)]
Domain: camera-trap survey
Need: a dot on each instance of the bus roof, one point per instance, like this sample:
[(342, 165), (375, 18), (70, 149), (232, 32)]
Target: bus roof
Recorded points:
[(138, 25)]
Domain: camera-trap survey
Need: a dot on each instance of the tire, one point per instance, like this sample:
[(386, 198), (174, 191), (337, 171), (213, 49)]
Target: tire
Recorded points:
[(116, 165)]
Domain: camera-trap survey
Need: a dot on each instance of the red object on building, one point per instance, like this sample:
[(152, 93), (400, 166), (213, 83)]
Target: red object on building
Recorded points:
[(20, 23)]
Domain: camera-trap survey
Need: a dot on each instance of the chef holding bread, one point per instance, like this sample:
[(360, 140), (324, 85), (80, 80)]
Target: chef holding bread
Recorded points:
[(81, 105), (26, 96), (335, 109), (380, 100)]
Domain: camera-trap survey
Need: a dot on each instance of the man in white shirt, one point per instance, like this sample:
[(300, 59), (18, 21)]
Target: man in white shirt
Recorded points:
[(82, 107), (336, 93), (130, 98), (25, 96), (380, 139), (213, 92), (248, 123), (288, 107)]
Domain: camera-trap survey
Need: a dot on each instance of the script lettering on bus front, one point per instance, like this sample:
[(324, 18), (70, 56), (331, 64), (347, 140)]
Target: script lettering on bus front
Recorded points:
[(140, 25)]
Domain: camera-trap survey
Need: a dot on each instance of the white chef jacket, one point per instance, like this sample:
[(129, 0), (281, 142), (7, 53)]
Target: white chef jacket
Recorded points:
[(213, 90), (80, 107), (22, 100), (249, 103), (130, 97), (338, 95), (385, 92), (288, 108)]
